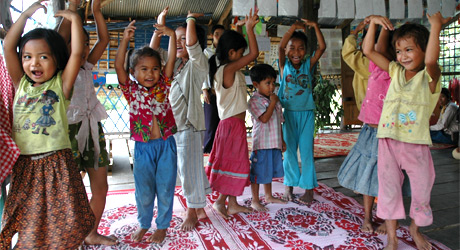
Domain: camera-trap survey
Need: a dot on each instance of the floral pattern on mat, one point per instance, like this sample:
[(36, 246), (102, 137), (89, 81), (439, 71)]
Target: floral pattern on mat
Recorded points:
[(331, 222)]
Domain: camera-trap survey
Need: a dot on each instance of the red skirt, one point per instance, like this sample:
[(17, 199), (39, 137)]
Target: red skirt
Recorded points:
[(228, 166), (47, 204)]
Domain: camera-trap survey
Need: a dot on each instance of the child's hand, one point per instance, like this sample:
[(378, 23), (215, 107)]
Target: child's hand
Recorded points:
[(33, 8), (251, 20), (437, 19), (240, 22), (299, 25), (283, 147), (68, 14), (163, 30), (309, 23), (129, 30), (194, 15), (361, 25), (274, 98), (382, 21), (161, 19), (96, 5)]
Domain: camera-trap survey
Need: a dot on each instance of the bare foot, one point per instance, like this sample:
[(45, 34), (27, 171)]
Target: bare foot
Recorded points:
[(271, 199), (236, 208), (392, 244), (97, 239), (307, 197), (288, 193), (382, 229), (221, 210), (366, 227), (138, 235), (190, 220), (420, 241), (201, 214), (258, 207), (158, 236)]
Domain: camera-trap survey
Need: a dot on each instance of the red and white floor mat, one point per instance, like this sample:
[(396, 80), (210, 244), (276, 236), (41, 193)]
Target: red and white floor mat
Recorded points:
[(332, 222)]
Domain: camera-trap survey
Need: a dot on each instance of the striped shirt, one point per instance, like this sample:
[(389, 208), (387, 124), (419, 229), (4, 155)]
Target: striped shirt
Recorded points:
[(265, 135)]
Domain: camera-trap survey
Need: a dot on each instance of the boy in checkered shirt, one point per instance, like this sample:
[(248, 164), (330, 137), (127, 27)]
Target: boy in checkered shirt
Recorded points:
[(267, 135)]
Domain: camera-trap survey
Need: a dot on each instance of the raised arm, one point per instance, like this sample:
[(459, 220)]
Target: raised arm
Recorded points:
[(163, 30), (122, 74), (321, 43), (432, 48), (190, 35), (354, 57), (102, 34), (283, 43), (10, 44), (383, 43), (369, 42), (156, 37), (231, 68), (70, 72), (64, 26)]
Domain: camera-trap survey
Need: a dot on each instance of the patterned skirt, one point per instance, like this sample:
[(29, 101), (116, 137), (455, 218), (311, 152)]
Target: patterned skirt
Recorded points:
[(47, 204)]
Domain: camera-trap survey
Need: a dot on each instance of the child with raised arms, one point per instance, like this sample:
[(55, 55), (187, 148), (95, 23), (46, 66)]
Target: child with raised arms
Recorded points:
[(228, 167), (84, 114), (190, 72), (295, 94), (267, 135), (47, 203), (152, 127), (403, 129)]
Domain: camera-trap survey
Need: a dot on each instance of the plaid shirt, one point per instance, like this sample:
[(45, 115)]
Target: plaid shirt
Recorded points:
[(265, 135), (146, 102), (9, 151)]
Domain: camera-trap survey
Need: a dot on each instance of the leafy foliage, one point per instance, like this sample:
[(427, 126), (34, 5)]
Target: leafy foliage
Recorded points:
[(328, 109)]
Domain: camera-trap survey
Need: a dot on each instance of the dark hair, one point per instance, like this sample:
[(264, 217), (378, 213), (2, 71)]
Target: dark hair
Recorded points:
[(300, 35), (216, 27), (229, 40), (200, 34), (418, 32), (446, 92), (54, 40), (261, 72), (145, 51)]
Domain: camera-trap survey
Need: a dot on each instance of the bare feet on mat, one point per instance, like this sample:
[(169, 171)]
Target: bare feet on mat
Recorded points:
[(190, 220), (97, 239), (288, 193), (221, 210), (258, 207), (138, 235), (420, 241), (392, 244), (307, 197), (271, 199), (201, 214), (366, 227), (382, 229), (158, 236), (234, 209)]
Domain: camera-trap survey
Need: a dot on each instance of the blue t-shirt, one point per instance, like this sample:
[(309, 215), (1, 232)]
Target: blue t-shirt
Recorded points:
[(295, 92)]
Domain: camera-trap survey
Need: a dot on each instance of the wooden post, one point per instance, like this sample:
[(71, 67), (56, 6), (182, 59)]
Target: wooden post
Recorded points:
[(309, 10)]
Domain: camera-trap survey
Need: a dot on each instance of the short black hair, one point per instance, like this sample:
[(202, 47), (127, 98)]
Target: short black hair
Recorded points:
[(261, 72), (145, 51), (418, 32), (216, 27), (58, 46), (446, 92), (300, 35)]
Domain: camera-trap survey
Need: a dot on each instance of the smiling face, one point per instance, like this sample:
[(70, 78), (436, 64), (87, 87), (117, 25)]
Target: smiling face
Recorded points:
[(147, 71), (38, 63), (181, 51), (409, 54), (266, 87), (295, 51)]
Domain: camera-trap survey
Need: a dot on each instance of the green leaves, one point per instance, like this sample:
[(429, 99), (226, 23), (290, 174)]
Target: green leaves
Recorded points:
[(328, 109)]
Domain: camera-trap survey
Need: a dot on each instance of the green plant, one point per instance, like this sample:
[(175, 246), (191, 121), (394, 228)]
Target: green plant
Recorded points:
[(328, 109)]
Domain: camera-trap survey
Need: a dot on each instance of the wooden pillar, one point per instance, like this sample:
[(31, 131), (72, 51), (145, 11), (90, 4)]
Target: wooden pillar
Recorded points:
[(309, 10)]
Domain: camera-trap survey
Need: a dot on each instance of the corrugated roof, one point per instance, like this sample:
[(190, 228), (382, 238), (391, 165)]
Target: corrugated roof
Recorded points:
[(149, 9)]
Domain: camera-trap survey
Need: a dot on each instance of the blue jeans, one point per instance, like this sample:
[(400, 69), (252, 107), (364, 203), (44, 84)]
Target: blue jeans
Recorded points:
[(441, 137), (155, 171)]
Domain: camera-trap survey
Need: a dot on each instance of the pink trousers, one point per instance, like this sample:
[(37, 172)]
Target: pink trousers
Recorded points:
[(416, 160)]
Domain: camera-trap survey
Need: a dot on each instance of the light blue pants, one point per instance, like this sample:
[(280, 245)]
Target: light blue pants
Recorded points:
[(195, 184), (298, 129), (155, 172)]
